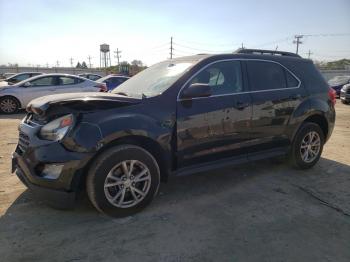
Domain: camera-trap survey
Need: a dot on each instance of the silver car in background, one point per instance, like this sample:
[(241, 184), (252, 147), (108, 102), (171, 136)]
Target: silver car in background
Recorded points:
[(14, 97)]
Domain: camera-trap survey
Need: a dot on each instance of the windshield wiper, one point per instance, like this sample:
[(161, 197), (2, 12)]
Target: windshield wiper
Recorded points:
[(121, 93)]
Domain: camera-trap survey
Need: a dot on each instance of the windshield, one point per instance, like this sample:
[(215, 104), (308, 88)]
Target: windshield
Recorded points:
[(154, 80), (339, 80)]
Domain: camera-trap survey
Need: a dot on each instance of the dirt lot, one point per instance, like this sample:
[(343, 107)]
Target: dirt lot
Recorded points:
[(260, 212)]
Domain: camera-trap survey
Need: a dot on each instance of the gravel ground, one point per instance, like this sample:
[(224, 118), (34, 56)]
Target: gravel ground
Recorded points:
[(258, 212)]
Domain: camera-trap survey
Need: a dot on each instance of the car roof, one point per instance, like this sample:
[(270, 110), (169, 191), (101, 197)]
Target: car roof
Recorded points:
[(84, 74), (53, 74), (29, 73), (201, 57)]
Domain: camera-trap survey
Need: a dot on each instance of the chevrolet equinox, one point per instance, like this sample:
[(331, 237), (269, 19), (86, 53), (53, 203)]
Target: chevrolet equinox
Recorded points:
[(180, 116)]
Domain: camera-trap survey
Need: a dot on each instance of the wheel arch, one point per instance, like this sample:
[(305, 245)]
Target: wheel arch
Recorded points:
[(314, 110), (153, 147)]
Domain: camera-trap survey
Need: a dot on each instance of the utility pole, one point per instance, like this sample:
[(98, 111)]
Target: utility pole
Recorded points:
[(89, 58), (71, 62), (171, 48), (117, 55), (297, 41), (47, 65), (309, 54), (57, 63), (276, 47), (242, 46)]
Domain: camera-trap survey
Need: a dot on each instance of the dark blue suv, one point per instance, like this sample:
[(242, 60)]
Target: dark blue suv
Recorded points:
[(177, 117)]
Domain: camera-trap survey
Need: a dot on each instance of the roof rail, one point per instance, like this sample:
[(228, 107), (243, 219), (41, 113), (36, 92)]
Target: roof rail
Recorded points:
[(265, 52)]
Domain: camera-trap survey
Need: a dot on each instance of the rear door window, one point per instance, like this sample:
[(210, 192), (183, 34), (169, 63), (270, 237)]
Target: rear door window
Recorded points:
[(65, 80), (266, 76)]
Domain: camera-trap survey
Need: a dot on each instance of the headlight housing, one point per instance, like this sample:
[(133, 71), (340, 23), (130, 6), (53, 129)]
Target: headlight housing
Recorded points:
[(58, 128)]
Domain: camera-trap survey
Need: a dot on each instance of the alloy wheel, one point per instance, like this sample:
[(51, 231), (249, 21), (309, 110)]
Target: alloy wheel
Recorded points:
[(127, 183), (8, 105), (310, 147)]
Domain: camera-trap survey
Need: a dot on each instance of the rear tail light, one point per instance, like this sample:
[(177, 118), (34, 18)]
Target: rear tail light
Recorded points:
[(332, 95), (102, 87)]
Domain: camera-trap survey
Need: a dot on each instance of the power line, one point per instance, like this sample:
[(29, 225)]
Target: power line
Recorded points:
[(199, 49), (206, 44), (285, 39), (160, 46), (327, 35)]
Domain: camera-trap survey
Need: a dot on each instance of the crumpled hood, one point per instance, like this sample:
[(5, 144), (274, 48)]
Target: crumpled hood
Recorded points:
[(83, 101)]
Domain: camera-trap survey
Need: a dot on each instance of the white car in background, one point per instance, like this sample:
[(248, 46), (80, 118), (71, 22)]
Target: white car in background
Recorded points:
[(14, 97)]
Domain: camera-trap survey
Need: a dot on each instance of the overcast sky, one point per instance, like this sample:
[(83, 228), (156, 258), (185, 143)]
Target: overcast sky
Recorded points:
[(44, 31)]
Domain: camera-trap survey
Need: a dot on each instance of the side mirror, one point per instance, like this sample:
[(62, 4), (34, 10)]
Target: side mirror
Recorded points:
[(27, 84), (196, 90)]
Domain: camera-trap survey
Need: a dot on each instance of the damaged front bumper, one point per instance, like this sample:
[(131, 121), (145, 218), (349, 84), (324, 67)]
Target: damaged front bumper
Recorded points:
[(47, 168)]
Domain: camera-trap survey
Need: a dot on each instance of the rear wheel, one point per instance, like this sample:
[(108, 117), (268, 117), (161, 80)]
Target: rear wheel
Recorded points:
[(9, 105), (307, 146), (123, 180)]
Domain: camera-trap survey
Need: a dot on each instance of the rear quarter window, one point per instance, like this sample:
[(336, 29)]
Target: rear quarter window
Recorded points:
[(311, 78)]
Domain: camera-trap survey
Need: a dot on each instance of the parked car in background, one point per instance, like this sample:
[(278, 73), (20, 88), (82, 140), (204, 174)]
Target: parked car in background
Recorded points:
[(177, 117), (338, 82), (92, 77), (6, 75), (19, 77), (345, 94), (14, 97), (112, 81)]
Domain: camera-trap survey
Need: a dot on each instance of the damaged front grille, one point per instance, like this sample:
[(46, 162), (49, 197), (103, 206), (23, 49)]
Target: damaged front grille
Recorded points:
[(34, 120), (23, 141)]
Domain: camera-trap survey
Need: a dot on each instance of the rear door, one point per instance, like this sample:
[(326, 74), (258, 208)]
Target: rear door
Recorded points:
[(275, 93), (215, 127), (68, 84)]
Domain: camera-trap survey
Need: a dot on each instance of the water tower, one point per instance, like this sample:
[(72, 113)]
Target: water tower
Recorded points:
[(105, 56)]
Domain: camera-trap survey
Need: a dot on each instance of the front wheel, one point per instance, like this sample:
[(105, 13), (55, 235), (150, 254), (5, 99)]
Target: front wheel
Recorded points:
[(123, 180), (307, 146)]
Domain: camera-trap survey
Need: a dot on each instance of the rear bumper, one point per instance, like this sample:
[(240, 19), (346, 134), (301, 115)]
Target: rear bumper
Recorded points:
[(55, 198)]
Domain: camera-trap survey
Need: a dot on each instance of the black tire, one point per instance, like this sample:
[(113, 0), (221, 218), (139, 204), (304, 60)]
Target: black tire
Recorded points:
[(5, 102), (295, 156), (104, 164), (344, 101)]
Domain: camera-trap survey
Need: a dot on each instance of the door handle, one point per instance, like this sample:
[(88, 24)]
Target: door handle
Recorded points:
[(241, 105)]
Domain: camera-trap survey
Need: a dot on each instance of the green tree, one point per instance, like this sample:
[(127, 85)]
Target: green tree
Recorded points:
[(83, 65), (78, 65)]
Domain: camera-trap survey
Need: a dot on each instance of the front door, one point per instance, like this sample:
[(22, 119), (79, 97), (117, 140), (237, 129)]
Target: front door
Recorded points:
[(39, 87), (215, 127)]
